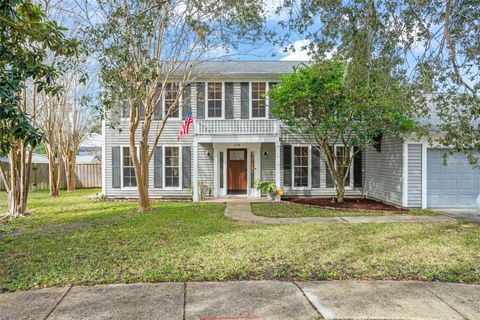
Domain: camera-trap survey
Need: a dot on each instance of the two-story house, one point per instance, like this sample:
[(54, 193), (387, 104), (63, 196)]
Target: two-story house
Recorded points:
[(234, 141)]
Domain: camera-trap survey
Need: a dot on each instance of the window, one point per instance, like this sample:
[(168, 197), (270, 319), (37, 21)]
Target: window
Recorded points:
[(172, 167), (214, 97), (339, 152), (171, 93), (300, 166), (129, 179), (259, 99)]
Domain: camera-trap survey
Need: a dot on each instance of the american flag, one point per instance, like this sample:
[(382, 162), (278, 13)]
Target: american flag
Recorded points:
[(186, 124)]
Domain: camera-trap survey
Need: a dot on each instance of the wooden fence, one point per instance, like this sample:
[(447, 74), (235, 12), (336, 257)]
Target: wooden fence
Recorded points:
[(86, 176)]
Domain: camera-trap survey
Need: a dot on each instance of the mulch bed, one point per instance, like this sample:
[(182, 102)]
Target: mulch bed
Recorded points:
[(348, 204)]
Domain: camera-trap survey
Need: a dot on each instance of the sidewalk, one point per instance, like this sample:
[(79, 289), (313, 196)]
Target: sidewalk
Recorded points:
[(241, 211), (252, 300)]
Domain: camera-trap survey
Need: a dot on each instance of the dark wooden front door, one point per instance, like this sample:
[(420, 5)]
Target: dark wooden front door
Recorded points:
[(237, 171)]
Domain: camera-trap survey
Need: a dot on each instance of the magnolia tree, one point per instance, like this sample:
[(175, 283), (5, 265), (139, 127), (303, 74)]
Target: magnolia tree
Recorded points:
[(143, 45), (435, 43), (326, 106), (27, 36)]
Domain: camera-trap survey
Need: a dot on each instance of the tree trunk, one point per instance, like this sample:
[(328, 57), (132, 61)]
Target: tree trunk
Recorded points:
[(53, 172), (340, 192), (70, 171), (17, 192), (141, 170)]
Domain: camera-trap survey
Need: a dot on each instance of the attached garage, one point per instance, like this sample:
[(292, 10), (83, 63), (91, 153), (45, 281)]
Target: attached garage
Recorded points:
[(454, 185)]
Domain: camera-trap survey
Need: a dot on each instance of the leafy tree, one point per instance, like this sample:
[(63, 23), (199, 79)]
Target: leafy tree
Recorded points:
[(435, 43), (326, 105), (26, 35), (144, 45)]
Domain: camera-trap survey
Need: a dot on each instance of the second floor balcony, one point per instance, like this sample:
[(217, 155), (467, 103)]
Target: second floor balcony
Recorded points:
[(237, 127)]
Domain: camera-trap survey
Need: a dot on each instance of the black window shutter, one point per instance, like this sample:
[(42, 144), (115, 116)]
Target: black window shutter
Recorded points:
[(141, 110), (329, 180), (228, 100), (116, 167), (125, 110), (200, 100), (357, 169), (271, 102), (287, 165), (186, 105), (244, 100), (158, 110), (186, 167), (157, 168), (315, 167)]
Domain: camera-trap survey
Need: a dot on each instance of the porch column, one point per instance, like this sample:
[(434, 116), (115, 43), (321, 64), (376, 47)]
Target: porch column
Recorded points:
[(195, 170), (277, 167)]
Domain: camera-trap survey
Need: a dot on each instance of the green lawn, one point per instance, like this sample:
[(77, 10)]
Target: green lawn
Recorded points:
[(75, 240), (293, 210)]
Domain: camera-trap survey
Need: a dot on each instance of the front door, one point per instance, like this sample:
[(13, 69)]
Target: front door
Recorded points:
[(237, 171)]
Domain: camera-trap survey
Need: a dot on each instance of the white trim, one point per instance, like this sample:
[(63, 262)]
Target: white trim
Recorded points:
[(104, 159), (238, 139), (309, 178), (405, 176), (223, 100), (424, 175), (121, 168), (277, 167), (224, 147), (195, 196), (250, 101), (180, 166)]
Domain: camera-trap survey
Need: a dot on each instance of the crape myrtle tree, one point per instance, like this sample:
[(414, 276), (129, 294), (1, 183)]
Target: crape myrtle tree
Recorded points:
[(436, 43), (144, 45), (26, 36), (326, 105)]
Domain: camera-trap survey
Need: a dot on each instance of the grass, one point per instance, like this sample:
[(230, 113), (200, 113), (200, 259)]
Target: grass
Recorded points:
[(294, 210), (73, 240)]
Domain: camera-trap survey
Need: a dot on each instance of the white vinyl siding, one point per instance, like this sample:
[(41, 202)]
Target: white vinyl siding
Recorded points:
[(383, 178)]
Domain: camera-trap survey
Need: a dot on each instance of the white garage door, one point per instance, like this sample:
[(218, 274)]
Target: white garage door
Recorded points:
[(455, 184)]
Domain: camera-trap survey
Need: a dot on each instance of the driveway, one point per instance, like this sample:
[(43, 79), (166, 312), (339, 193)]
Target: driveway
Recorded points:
[(470, 215)]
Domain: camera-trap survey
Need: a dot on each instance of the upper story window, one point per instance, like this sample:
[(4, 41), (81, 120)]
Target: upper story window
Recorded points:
[(214, 98), (128, 171), (259, 99), (171, 96)]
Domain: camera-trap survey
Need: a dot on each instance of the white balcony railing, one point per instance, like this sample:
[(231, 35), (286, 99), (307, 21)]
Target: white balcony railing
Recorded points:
[(244, 126)]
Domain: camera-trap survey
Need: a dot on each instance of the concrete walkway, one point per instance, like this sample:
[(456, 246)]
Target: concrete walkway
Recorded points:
[(252, 300), (242, 211)]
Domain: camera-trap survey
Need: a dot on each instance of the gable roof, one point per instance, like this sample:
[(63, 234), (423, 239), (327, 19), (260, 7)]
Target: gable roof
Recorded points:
[(246, 67)]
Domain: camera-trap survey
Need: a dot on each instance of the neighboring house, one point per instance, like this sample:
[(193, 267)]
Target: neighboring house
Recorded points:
[(88, 159), (36, 158), (91, 145), (235, 142)]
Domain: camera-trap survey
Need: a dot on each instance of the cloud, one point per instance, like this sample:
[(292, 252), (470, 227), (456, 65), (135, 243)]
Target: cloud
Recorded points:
[(298, 51)]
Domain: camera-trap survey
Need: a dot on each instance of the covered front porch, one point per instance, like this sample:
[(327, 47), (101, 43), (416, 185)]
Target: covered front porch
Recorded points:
[(229, 166)]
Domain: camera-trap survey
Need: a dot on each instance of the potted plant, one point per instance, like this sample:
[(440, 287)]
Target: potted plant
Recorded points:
[(268, 188)]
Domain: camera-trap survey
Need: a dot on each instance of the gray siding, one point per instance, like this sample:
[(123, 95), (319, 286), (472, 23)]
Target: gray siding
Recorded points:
[(205, 164), (414, 176), (383, 172), (119, 136), (268, 164)]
